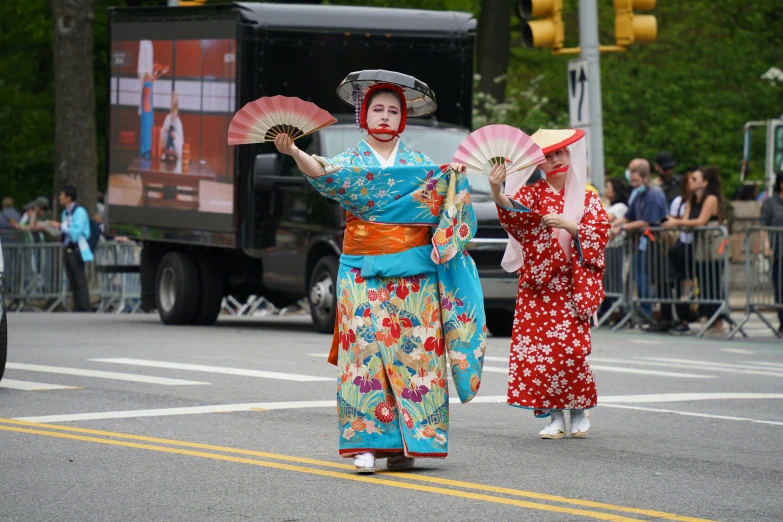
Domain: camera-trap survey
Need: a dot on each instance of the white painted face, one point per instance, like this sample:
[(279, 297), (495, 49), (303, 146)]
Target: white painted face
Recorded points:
[(557, 163), (384, 112)]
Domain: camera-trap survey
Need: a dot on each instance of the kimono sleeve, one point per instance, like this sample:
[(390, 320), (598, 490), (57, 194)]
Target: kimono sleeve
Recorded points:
[(331, 184), (587, 261), (457, 222), (519, 220)]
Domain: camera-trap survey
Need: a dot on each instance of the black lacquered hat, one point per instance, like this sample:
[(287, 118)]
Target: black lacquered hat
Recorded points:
[(419, 98)]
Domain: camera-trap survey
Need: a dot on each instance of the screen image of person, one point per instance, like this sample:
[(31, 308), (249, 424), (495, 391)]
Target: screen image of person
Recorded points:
[(172, 134)]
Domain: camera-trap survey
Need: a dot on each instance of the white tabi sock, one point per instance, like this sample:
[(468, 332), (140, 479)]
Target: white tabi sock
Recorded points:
[(365, 462), (580, 422), (556, 428)]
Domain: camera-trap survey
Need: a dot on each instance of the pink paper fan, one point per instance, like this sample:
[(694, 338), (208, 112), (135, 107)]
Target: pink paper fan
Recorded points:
[(496, 144), (261, 120)]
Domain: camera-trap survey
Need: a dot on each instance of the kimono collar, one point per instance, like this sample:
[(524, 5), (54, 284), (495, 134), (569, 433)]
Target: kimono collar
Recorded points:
[(392, 157)]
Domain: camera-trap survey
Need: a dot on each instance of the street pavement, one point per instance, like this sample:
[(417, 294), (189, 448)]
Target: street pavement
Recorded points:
[(122, 418)]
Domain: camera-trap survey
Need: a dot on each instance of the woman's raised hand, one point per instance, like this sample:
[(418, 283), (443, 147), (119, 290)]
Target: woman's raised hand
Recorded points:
[(459, 167), (285, 145), (497, 176)]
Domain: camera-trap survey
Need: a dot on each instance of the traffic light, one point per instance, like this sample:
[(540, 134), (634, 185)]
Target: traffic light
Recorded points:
[(191, 3), (548, 32), (630, 28)]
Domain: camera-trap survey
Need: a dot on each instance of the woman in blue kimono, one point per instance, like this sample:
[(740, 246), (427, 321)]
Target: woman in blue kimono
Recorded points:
[(408, 294)]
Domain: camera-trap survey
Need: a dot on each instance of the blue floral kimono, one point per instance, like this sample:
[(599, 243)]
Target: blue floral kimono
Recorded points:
[(400, 314)]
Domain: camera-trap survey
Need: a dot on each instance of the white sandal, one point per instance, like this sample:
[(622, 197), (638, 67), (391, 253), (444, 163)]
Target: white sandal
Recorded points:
[(365, 463), (551, 432), (556, 428)]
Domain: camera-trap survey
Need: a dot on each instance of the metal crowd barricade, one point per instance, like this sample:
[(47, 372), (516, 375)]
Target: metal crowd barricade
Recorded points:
[(34, 272), (117, 270), (677, 274), (615, 281), (763, 275)]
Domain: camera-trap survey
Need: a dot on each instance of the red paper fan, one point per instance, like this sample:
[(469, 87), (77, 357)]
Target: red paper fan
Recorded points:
[(260, 121)]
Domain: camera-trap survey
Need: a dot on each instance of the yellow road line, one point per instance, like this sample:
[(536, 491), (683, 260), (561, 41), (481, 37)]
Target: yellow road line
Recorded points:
[(334, 474), (404, 476)]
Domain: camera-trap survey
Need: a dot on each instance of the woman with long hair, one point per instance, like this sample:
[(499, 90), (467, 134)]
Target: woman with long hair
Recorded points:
[(407, 295), (680, 257), (616, 192), (702, 209)]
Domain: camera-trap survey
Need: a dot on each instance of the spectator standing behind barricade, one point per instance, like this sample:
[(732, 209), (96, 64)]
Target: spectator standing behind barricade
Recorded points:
[(646, 209), (32, 219), (616, 194), (772, 216), (666, 180), (615, 202), (75, 228), (680, 258), (703, 209), (9, 216)]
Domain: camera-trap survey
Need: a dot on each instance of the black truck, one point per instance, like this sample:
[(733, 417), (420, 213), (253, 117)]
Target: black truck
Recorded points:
[(216, 220)]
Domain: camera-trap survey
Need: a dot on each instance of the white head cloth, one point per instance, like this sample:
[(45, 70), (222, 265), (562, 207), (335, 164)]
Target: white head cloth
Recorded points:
[(573, 206)]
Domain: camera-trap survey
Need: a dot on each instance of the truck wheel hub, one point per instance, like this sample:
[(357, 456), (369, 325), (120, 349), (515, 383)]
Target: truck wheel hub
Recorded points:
[(168, 289), (321, 294)]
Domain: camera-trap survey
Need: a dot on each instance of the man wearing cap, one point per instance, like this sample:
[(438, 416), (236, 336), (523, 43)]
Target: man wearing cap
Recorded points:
[(559, 231), (667, 181), (33, 212)]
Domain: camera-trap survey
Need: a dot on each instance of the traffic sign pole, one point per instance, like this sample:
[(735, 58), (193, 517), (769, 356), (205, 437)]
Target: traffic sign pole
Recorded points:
[(588, 41)]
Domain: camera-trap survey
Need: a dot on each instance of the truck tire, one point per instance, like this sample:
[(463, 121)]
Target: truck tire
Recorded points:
[(500, 322), (3, 344), (210, 292), (322, 294), (176, 288)]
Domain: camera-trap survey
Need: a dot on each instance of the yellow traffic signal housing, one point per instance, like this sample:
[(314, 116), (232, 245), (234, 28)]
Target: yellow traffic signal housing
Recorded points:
[(630, 28), (546, 33)]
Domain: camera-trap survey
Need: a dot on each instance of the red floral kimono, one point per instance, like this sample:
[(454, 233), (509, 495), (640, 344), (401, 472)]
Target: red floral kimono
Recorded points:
[(551, 335)]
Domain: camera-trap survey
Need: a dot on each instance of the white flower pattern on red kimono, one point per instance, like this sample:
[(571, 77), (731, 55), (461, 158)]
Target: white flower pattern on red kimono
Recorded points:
[(556, 297)]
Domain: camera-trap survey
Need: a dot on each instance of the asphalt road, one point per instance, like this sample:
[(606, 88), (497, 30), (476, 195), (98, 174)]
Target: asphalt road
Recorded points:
[(121, 418)]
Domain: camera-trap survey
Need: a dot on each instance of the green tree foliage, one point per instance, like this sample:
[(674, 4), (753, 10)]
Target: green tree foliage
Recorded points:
[(689, 93), (26, 101)]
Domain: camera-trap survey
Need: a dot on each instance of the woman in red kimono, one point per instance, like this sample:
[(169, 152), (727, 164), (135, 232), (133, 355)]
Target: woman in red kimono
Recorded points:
[(558, 231)]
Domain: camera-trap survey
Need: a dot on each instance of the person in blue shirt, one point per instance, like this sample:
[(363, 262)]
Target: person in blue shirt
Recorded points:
[(646, 209), (75, 228)]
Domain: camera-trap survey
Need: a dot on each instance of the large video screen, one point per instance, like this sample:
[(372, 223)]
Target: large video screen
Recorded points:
[(171, 103)]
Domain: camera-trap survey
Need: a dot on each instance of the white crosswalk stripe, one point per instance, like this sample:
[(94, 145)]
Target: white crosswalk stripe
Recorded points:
[(13, 384), (132, 377), (216, 369)]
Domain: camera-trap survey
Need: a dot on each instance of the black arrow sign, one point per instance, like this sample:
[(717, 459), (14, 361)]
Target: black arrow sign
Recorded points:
[(572, 83), (582, 80)]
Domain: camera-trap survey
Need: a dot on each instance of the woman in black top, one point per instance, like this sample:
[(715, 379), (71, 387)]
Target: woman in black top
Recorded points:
[(772, 216), (702, 209), (616, 192)]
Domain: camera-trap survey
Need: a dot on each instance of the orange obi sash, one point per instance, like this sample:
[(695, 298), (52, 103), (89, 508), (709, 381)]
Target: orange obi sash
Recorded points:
[(364, 238)]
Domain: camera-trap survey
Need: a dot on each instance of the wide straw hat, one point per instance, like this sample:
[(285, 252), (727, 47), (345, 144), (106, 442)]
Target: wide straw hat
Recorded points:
[(551, 140)]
